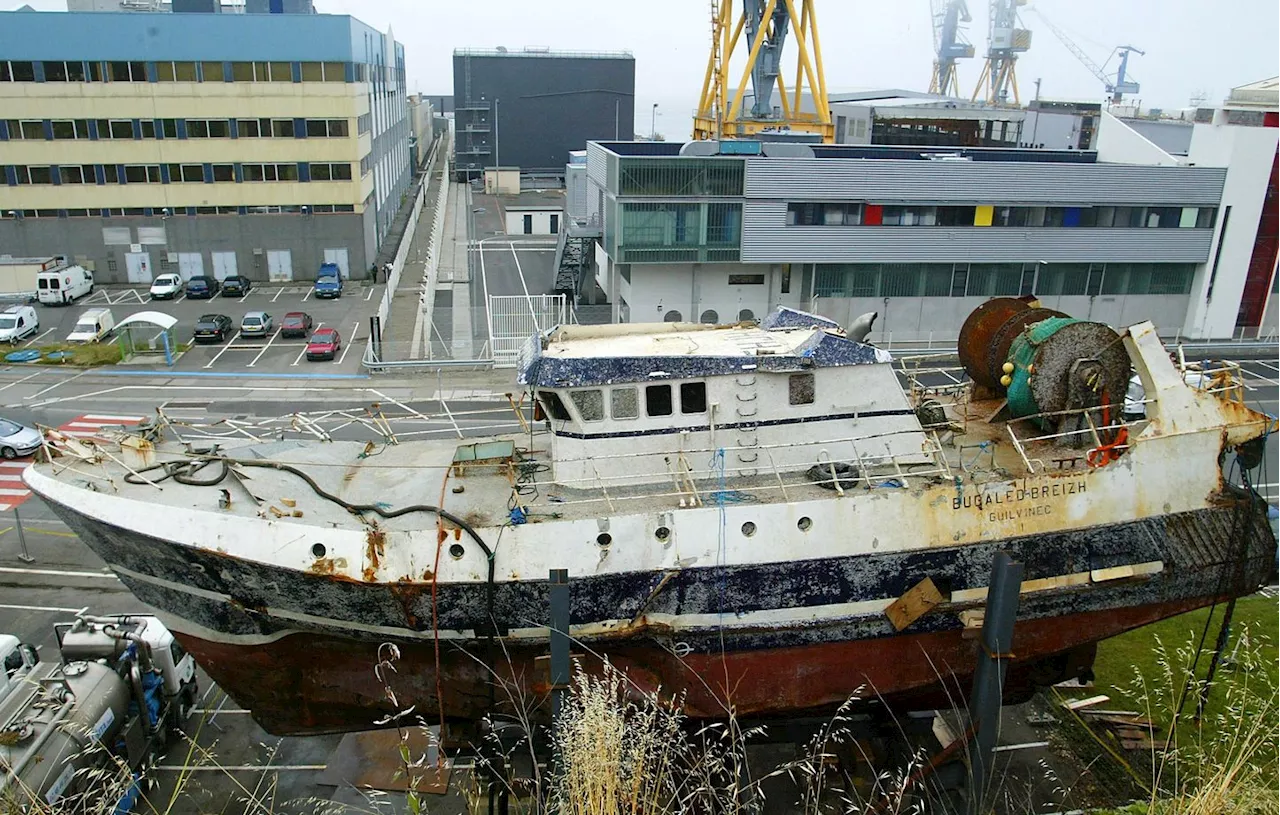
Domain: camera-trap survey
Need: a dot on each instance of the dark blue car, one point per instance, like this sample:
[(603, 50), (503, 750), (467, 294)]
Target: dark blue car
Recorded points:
[(202, 287), (328, 281)]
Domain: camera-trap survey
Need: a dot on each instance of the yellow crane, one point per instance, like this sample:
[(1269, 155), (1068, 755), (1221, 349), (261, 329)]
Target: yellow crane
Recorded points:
[(761, 28)]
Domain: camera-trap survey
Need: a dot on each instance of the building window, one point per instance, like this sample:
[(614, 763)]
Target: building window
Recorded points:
[(142, 173), (224, 172), (147, 127), (324, 72), (169, 128), (330, 172), (657, 400), (26, 129), (1206, 217), (176, 71), (746, 280), (554, 407), (127, 71), (115, 129), (813, 214), (364, 123), (624, 403), (746, 315), (693, 397), (270, 172), (34, 175), (20, 72), (212, 72), (55, 72), (680, 177), (800, 389), (186, 173), (207, 129), (77, 174), (590, 404), (282, 128), (333, 128), (110, 174), (709, 317)]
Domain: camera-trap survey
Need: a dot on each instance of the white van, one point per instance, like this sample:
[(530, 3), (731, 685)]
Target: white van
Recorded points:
[(17, 322), (92, 326), (63, 286)]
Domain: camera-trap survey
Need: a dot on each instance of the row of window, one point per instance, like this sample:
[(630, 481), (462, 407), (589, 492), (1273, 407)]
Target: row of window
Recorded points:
[(76, 71), (104, 129), (1120, 217), (179, 173), (659, 400), (148, 212), (999, 279)]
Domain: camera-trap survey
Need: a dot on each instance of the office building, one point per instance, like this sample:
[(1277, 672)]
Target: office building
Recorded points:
[(718, 232), (529, 108), (258, 144)]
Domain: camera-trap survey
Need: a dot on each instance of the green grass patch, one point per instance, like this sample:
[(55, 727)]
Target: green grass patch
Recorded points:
[(86, 355)]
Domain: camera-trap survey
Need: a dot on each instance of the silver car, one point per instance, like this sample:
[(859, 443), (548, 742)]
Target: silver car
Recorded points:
[(17, 439), (256, 324)]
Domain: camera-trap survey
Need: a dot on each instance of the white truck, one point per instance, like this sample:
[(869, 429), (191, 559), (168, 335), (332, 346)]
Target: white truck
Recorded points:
[(18, 276), (120, 691), (63, 285), (94, 325)]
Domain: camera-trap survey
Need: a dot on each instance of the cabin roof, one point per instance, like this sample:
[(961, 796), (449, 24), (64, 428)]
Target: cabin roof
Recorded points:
[(577, 356)]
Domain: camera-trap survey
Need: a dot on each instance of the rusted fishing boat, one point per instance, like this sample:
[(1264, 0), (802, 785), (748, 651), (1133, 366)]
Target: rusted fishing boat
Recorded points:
[(737, 507)]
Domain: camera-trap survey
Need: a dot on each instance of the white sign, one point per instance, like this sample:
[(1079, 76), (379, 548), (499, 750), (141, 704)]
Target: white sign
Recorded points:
[(135, 247)]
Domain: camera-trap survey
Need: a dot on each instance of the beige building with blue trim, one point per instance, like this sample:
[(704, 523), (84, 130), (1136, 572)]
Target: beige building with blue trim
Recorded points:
[(261, 145)]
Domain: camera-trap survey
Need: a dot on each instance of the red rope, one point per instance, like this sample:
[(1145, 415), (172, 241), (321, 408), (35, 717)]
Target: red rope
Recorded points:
[(1104, 454)]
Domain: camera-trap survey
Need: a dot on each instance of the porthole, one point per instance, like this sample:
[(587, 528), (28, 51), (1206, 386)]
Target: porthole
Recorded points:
[(662, 533), (804, 524), (318, 550), (749, 529), (456, 551), (604, 539)]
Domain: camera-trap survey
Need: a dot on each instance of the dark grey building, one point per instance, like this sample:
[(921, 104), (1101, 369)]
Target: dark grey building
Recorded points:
[(529, 108), (277, 7)]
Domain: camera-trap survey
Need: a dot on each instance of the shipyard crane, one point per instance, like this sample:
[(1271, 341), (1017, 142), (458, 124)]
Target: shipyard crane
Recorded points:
[(1118, 85), (761, 30), (1005, 40), (949, 44)]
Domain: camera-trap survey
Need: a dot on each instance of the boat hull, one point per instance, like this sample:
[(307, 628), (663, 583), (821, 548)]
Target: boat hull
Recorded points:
[(298, 649)]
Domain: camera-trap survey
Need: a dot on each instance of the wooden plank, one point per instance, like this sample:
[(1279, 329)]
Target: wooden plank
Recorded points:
[(916, 602), (1102, 712), (1122, 721), (1077, 704), (1137, 744)]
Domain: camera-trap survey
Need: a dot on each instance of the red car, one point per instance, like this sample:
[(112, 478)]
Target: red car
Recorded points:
[(296, 324), (324, 344)]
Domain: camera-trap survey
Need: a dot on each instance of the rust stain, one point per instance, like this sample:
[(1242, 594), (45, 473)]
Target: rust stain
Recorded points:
[(375, 548), (327, 565)]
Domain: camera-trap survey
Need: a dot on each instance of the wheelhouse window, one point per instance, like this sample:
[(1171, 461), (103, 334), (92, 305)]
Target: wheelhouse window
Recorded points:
[(590, 404), (800, 389), (553, 406), (624, 403), (657, 400), (693, 397)]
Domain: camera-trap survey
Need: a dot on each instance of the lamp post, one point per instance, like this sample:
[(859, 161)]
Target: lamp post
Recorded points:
[(653, 123)]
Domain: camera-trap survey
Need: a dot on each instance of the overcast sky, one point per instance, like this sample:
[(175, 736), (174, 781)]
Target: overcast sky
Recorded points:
[(1193, 46)]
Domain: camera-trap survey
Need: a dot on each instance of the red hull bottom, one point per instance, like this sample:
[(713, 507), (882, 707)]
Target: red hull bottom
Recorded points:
[(307, 684)]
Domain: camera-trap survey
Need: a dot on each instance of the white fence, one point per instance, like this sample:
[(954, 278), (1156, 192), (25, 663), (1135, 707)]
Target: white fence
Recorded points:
[(515, 318)]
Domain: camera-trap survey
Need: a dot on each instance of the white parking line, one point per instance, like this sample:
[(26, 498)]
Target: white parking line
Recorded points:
[(183, 297), (35, 340), (270, 340), (369, 294), (1270, 365), (303, 352), (307, 295), (523, 285), (350, 342), (279, 292), (226, 346), (20, 381)]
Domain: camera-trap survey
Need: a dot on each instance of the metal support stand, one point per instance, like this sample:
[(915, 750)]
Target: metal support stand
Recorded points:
[(23, 554), (988, 680), (375, 337)]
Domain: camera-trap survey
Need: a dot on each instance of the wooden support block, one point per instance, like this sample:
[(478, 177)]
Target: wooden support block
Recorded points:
[(1077, 704), (916, 602)]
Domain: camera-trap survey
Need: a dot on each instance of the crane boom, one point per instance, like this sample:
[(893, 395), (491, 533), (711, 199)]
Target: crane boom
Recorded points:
[(1117, 87)]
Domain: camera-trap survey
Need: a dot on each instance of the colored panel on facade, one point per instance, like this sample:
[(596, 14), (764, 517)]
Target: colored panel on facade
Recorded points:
[(873, 215), (1071, 216), (1188, 219), (983, 214)]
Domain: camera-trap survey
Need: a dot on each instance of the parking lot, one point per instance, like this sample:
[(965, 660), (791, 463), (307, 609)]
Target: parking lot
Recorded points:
[(348, 314)]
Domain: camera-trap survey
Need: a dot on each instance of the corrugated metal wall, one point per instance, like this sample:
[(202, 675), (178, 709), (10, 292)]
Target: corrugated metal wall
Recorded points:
[(598, 164), (767, 239), (972, 182)]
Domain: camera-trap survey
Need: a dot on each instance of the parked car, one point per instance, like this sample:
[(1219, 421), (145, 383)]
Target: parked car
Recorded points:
[(296, 324), (256, 324), (94, 325), (166, 287), (213, 328), (202, 287), (236, 286), (328, 281), (325, 343), (18, 439), (17, 322)]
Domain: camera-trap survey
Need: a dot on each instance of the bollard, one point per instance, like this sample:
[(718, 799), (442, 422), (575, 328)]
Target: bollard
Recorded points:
[(23, 554)]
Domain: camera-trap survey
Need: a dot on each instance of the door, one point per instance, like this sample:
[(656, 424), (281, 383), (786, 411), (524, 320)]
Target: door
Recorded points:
[(528, 224), (190, 264), (138, 266), (555, 223), (279, 265), (338, 256), (224, 264)]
